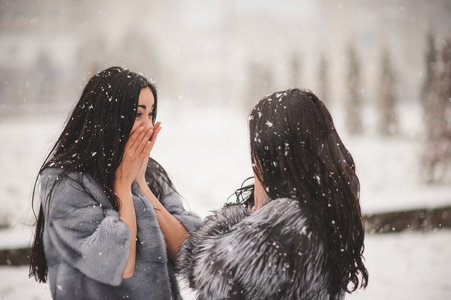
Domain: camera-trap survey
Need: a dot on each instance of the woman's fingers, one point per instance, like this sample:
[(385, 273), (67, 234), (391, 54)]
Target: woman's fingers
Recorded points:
[(133, 138), (156, 130), (136, 153), (146, 151), (138, 140), (144, 141), (138, 147)]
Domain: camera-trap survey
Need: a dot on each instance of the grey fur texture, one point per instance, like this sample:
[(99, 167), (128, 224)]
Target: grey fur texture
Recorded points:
[(267, 254), (86, 244)]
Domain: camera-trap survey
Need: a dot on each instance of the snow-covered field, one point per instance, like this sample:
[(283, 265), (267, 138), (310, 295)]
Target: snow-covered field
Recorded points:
[(410, 266), (204, 148)]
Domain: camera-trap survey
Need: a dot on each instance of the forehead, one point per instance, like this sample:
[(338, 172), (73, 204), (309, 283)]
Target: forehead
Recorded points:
[(146, 97)]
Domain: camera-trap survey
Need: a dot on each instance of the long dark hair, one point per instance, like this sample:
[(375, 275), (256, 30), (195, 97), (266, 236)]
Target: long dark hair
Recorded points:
[(297, 153), (93, 142)]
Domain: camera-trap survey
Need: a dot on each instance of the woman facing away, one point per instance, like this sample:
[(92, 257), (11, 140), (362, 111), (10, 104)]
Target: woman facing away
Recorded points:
[(110, 222), (297, 233)]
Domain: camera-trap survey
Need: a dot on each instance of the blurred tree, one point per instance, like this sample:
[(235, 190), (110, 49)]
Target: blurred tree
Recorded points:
[(294, 71), (436, 156), (136, 52), (430, 61), (7, 94), (388, 99), (45, 79), (91, 57), (324, 79), (260, 82), (353, 101)]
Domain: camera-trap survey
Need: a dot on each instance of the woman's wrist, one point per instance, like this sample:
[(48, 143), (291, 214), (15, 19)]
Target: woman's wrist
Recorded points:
[(142, 183), (122, 188), (122, 179)]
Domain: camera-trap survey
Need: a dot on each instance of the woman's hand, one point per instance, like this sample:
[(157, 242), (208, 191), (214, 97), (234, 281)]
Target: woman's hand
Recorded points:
[(173, 231), (140, 177), (136, 153), (137, 150)]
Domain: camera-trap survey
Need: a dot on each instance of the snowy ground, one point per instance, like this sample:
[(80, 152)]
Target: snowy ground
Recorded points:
[(411, 266), (205, 151)]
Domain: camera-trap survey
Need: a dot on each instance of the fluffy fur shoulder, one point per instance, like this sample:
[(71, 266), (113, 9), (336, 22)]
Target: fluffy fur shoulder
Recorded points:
[(217, 224), (267, 254)]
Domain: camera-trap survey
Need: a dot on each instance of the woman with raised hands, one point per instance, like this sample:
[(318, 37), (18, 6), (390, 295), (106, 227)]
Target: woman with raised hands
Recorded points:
[(110, 222)]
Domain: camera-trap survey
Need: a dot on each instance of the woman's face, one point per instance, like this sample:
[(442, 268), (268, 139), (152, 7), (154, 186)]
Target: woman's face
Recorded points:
[(144, 115)]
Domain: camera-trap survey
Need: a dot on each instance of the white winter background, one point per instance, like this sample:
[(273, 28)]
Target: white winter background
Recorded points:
[(198, 51), (205, 150)]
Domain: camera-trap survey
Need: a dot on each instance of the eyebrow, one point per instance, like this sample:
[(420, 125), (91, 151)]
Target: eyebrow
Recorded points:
[(145, 107)]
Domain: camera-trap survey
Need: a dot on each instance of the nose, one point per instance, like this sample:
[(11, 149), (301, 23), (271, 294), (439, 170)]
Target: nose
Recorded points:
[(148, 122)]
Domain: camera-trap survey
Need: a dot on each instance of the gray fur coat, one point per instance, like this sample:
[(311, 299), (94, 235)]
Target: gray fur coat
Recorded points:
[(267, 254), (86, 244)]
